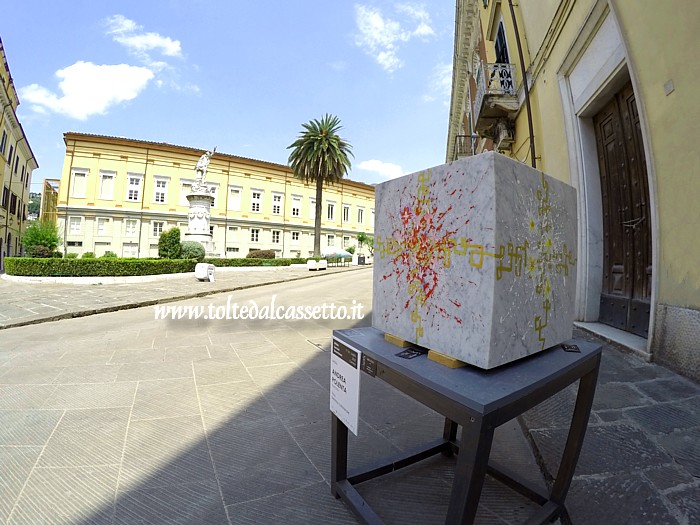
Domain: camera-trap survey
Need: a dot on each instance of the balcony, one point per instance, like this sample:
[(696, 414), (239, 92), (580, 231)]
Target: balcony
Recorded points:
[(496, 96), (465, 146)]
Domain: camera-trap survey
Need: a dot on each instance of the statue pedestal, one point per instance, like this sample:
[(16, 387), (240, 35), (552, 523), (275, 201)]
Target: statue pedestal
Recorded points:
[(198, 221)]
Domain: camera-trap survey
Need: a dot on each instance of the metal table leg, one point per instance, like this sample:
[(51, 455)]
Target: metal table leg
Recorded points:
[(577, 432), (449, 434), (470, 472), (339, 453)]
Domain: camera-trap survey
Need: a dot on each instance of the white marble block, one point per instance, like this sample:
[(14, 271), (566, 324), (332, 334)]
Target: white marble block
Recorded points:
[(476, 259)]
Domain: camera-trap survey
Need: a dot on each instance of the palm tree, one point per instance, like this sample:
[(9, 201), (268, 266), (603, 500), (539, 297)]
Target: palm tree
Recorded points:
[(319, 155)]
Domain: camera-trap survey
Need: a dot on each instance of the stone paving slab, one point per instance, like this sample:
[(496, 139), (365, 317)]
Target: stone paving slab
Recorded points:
[(67, 495), (642, 446)]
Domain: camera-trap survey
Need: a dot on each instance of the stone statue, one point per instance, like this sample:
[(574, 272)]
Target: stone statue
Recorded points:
[(199, 185)]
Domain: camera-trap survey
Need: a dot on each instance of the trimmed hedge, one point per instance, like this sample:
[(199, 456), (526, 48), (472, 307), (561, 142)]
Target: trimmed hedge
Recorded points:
[(261, 254), (95, 267), (248, 262)]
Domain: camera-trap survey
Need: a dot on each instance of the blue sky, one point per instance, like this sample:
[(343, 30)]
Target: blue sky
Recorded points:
[(239, 75)]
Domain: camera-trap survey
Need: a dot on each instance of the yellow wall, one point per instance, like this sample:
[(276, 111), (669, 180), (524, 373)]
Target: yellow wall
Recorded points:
[(536, 16), (546, 94), (583, 52), (658, 51), (16, 164), (663, 45), (91, 154)]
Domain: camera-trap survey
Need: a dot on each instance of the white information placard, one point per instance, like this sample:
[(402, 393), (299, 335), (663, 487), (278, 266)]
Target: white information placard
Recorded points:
[(345, 384)]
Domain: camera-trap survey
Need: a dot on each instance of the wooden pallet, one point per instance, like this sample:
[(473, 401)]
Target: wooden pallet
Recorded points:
[(433, 355)]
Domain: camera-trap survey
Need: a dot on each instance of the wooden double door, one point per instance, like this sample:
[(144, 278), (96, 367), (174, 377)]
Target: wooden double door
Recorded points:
[(626, 294)]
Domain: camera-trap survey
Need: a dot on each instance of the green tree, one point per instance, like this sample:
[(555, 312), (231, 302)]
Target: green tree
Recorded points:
[(366, 240), (40, 238), (169, 244), (320, 156), (34, 204)]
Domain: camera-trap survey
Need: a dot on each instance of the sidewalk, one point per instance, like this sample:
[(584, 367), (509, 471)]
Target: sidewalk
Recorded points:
[(29, 303), (254, 384)]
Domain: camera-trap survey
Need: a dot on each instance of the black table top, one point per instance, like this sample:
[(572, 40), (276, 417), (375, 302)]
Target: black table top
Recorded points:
[(483, 391)]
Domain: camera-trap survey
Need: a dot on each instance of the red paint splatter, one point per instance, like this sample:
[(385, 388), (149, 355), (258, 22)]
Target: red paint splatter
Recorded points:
[(425, 245)]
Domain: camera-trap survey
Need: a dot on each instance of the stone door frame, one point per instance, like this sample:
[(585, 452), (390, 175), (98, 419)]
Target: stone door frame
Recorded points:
[(595, 68)]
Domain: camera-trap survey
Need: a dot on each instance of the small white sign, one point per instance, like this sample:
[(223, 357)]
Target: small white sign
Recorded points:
[(345, 383)]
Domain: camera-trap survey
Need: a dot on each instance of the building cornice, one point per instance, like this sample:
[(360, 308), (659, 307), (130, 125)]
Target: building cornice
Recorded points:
[(466, 31), (8, 99)]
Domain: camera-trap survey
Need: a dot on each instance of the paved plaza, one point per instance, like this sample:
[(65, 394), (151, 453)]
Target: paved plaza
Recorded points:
[(121, 418)]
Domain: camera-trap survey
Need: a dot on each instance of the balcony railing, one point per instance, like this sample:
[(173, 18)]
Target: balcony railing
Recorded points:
[(493, 79), (465, 146)]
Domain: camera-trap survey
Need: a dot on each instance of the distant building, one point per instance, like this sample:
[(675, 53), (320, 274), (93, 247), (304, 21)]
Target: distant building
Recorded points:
[(613, 115), (49, 200), (119, 195), (17, 163)]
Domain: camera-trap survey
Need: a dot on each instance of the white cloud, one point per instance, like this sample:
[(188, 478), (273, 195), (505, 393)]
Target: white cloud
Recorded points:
[(385, 169), (119, 24), (88, 89), (128, 33), (420, 15), (381, 37), (153, 50), (439, 84)]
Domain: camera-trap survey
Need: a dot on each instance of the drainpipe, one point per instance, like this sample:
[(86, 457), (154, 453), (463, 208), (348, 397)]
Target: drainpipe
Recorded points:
[(525, 87)]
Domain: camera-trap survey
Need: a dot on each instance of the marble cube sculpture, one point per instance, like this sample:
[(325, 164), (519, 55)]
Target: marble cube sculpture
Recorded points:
[(476, 259)]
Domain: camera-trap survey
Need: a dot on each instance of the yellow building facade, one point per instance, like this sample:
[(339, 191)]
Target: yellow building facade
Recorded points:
[(119, 195), (17, 163), (611, 110)]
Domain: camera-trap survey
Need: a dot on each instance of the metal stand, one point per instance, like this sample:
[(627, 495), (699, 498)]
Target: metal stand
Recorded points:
[(479, 401)]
